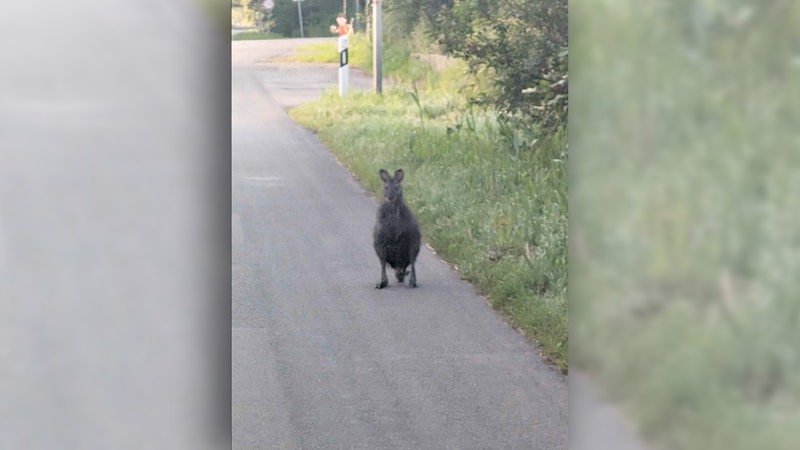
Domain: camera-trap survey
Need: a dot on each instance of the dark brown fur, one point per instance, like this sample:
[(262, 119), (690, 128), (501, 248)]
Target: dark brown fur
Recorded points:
[(396, 236)]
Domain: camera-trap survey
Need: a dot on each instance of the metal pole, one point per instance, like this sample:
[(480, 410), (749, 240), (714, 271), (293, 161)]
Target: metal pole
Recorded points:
[(377, 73), (300, 16)]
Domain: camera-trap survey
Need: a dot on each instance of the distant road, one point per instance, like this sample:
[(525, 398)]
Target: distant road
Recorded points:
[(320, 358)]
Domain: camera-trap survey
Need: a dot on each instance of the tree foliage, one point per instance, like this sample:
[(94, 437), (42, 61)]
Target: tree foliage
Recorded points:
[(522, 42), (318, 16)]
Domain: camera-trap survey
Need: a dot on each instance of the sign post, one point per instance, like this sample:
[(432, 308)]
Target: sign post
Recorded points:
[(344, 66), (377, 74), (269, 5), (300, 16)]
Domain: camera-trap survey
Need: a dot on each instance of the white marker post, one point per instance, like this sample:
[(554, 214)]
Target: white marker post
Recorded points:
[(344, 66)]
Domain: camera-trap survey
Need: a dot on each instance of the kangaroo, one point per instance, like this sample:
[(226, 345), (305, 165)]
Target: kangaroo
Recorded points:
[(396, 236)]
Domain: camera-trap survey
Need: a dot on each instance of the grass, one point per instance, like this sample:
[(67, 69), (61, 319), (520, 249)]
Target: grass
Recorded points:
[(255, 36), (320, 52), (490, 199), (396, 61)]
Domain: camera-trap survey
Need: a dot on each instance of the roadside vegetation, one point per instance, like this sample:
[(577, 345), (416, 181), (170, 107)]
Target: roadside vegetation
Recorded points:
[(486, 172), (254, 36), (398, 64)]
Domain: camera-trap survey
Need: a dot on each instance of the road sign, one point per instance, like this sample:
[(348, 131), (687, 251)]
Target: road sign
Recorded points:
[(269, 4)]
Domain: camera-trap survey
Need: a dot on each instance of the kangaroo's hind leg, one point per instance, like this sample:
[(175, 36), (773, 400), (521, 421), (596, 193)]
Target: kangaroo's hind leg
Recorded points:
[(384, 280)]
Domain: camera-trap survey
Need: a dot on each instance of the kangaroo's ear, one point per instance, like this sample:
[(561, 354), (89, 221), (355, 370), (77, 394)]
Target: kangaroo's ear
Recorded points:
[(399, 175), (385, 176)]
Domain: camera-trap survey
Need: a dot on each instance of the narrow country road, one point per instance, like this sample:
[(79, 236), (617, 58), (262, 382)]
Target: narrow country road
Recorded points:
[(320, 358)]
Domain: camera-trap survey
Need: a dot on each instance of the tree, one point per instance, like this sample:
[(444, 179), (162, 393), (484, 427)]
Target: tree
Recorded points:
[(318, 16), (524, 42)]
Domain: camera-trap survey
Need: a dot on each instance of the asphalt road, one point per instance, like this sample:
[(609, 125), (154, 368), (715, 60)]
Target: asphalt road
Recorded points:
[(320, 358)]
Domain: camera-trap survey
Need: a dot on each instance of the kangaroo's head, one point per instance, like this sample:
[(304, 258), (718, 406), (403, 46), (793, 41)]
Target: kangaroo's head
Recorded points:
[(392, 186)]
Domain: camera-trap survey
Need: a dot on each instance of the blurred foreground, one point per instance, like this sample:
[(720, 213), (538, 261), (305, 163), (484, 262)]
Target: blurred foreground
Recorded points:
[(114, 251), (684, 231)]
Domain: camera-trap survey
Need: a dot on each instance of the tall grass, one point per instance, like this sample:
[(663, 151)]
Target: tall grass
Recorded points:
[(490, 198)]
